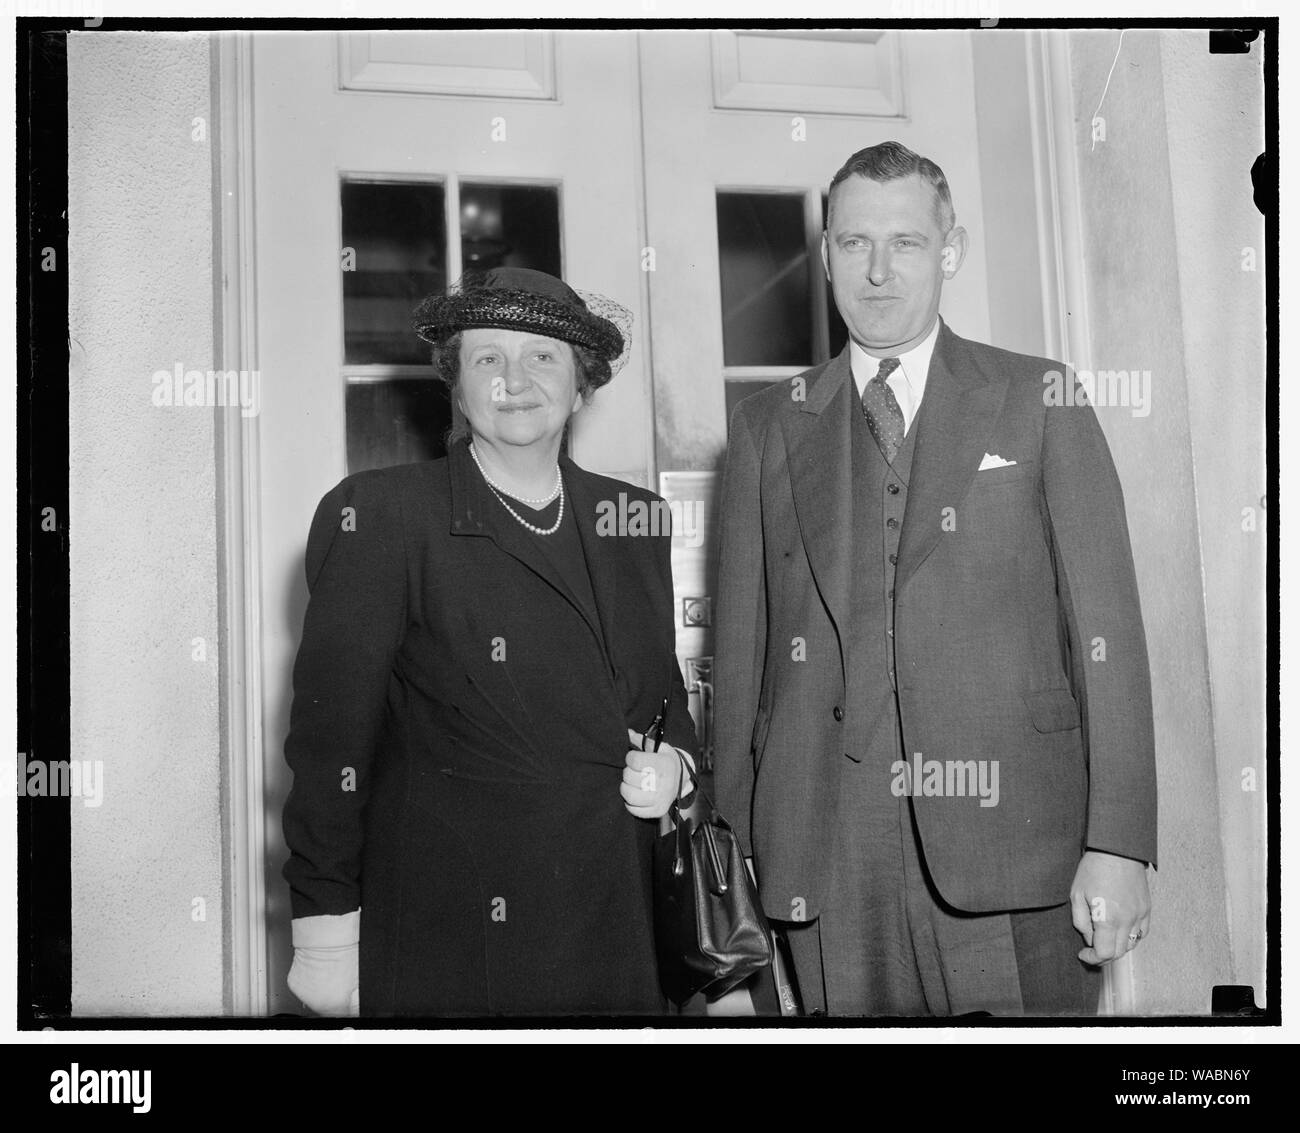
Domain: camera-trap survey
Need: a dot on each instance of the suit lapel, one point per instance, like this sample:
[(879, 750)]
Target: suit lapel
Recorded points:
[(821, 479), (961, 406)]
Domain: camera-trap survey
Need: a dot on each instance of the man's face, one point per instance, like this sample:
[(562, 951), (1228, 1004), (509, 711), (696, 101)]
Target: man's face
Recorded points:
[(887, 258)]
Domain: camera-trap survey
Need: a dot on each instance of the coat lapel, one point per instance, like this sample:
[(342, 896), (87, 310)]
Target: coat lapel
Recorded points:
[(476, 511), (821, 478), (961, 406), (603, 558)]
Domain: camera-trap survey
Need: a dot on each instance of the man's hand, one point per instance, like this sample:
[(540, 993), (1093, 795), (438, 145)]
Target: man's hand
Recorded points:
[(651, 779), (1111, 905)]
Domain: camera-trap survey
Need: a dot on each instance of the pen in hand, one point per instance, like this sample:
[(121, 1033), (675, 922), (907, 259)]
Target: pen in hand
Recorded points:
[(655, 732)]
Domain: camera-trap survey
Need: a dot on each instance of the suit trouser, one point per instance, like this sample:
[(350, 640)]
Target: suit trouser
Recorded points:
[(886, 943)]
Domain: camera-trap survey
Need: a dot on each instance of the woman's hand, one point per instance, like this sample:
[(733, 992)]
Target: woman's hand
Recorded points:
[(651, 779), (325, 979), (326, 954)]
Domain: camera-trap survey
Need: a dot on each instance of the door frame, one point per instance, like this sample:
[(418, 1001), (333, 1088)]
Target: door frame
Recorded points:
[(239, 534), (1066, 322), (1064, 290)]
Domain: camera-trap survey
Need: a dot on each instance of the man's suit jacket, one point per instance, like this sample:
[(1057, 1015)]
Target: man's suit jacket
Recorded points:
[(1018, 634)]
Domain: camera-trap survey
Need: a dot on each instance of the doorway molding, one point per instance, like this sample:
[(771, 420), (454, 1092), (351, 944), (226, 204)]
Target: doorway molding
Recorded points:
[(1066, 322), (239, 531)]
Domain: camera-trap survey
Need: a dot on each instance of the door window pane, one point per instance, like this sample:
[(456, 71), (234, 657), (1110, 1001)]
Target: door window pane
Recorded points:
[(397, 237), (510, 226), (396, 422), (737, 389), (766, 312)]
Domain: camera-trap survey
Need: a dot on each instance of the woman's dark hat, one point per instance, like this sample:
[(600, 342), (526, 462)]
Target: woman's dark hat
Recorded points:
[(527, 300)]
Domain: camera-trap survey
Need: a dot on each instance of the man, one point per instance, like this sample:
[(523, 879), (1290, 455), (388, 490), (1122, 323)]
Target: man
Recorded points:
[(934, 723)]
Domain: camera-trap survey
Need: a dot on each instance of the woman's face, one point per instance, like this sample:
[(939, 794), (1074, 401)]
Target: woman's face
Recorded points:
[(516, 388)]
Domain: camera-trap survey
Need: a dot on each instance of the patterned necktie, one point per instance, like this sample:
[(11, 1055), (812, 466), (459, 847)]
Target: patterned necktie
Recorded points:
[(884, 417)]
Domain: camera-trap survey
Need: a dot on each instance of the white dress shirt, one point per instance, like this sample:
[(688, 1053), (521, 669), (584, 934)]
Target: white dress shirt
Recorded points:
[(908, 379)]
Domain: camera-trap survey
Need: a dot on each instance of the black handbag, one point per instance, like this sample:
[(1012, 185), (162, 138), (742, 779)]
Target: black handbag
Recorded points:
[(710, 931)]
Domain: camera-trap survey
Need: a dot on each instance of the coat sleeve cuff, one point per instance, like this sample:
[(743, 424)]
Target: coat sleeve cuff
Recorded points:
[(326, 931)]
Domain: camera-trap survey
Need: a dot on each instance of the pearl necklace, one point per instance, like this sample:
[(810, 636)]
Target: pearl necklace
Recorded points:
[(558, 490), (540, 501)]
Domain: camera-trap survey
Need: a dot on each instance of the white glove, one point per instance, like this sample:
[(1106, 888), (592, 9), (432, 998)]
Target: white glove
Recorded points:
[(324, 973)]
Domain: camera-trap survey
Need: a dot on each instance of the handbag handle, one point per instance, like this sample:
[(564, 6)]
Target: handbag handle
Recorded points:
[(720, 884), (715, 860)]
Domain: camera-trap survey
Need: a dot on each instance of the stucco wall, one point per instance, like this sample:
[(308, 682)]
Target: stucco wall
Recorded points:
[(142, 530)]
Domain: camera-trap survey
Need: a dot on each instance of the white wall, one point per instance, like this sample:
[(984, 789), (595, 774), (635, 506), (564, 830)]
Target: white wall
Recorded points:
[(1215, 122), (142, 485), (1165, 216)]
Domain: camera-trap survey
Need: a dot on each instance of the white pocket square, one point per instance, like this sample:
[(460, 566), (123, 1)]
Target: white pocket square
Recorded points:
[(992, 460)]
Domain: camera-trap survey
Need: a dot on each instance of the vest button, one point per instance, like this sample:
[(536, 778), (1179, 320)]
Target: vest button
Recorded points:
[(892, 489), (893, 560), (838, 712), (891, 522)]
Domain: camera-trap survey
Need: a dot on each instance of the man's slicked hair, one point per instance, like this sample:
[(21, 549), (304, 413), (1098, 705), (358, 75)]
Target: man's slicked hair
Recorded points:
[(890, 161)]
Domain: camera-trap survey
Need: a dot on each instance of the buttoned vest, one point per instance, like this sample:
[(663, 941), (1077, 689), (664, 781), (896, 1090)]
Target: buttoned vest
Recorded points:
[(879, 502)]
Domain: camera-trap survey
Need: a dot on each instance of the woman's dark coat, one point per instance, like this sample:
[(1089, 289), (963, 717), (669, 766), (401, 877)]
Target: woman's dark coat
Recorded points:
[(458, 738)]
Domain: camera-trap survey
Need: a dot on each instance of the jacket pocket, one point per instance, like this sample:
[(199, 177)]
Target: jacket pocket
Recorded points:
[(1004, 474), (1052, 709)]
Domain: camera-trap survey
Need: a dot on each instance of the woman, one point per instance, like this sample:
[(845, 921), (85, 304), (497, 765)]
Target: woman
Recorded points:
[(472, 815)]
